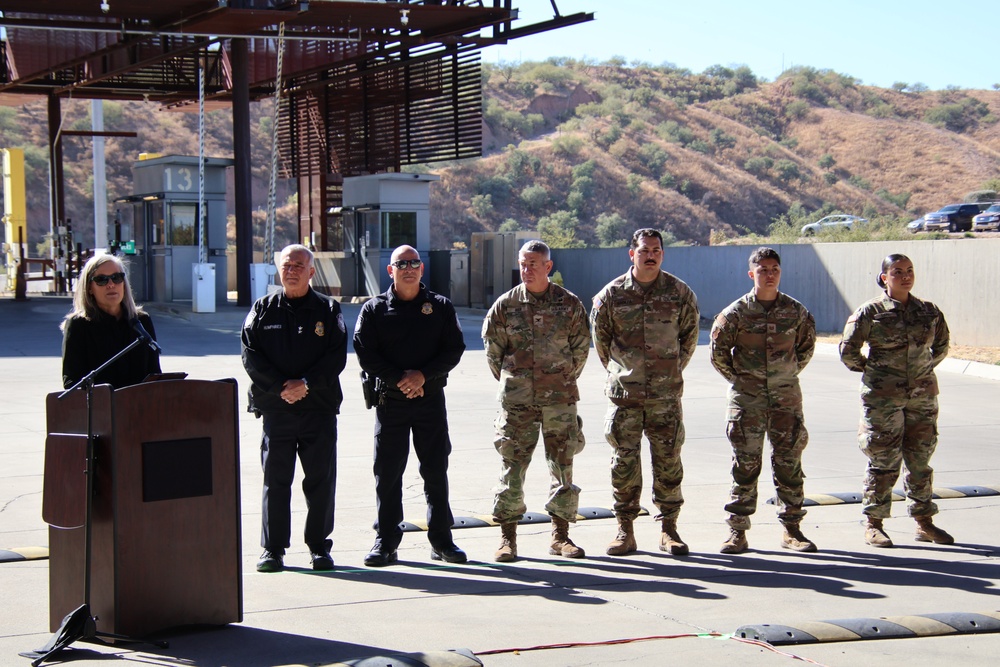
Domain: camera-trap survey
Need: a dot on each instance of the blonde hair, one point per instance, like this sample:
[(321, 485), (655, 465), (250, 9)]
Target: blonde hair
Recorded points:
[(84, 304)]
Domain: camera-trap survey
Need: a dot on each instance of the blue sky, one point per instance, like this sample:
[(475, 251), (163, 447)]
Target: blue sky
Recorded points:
[(880, 42)]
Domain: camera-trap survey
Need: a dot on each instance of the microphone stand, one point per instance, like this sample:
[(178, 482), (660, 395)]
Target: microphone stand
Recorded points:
[(81, 624)]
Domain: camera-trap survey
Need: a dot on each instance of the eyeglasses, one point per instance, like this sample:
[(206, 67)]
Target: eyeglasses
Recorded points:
[(403, 263), (102, 280)]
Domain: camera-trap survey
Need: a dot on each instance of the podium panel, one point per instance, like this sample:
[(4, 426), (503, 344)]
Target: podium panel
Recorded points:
[(165, 524)]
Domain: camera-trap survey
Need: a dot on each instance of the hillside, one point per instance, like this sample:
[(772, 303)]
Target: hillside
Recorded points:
[(590, 152), (586, 152)]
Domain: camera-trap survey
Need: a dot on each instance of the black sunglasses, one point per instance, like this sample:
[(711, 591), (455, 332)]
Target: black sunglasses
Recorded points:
[(102, 280), (403, 263)]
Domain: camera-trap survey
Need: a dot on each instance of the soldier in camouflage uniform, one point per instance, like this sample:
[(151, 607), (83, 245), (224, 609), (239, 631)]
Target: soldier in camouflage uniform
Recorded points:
[(907, 338), (537, 342), (645, 329), (760, 344)]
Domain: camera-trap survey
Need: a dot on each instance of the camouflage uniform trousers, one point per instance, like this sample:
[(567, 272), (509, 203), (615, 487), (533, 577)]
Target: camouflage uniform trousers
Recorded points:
[(894, 431), (517, 429), (750, 420), (662, 422)]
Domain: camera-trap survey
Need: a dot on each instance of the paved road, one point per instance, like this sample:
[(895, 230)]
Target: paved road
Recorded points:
[(303, 618)]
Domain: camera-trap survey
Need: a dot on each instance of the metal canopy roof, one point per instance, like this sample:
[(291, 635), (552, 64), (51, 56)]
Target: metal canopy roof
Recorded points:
[(368, 86), (150, 49)]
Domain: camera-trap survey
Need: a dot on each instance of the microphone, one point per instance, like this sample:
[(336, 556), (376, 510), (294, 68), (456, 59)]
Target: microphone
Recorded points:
[(144, 335)]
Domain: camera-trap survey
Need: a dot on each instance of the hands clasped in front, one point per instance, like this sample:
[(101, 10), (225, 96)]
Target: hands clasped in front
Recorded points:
[(412, 384), (294, 390)]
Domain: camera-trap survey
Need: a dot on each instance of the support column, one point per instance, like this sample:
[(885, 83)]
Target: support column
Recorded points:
[(239, 56), (57, 198)]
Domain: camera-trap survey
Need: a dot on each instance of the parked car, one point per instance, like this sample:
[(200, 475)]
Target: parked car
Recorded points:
[(832, 222), (915, 226), (988, 219), (953, 218)]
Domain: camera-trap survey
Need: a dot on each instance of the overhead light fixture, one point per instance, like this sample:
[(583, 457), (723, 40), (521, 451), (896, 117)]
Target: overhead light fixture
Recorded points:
[(105, 7), (404, 17)]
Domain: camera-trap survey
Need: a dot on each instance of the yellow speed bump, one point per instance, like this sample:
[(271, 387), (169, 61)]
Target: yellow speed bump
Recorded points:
[(849, 498), (461, 657), (888, 627), (23, 553), (484, 520)]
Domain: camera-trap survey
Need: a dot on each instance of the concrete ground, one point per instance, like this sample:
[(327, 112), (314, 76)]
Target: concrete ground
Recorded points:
[(647, 608)]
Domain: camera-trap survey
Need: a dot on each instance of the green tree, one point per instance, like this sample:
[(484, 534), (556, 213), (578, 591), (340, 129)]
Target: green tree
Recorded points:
[(567, 145), (787, 170), (584, 185), (559, 230), (949, 116), (482, 206), (611, 230), (700, 146), (653, 157), (510, 225), (535, 197), (584, 169), (797, 109), (634, 183), (826, 161), (498, 187), (721, 139), (758, 165)]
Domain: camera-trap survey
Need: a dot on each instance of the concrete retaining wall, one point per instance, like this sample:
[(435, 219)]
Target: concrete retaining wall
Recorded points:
[(961, 276)]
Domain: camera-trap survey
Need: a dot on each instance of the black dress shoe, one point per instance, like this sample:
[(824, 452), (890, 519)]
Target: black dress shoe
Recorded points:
[(321, 560), (271, 561), (449, 554), (379, 558)]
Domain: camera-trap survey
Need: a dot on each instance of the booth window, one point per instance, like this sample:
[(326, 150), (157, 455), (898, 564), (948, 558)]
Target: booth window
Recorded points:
[(183, 228), (399, 229), (154, 213)]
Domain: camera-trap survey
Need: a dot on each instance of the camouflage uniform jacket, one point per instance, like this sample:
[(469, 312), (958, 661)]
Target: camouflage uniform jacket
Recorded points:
[(537, 346), (761, 352), (645, 337), (905, 343)]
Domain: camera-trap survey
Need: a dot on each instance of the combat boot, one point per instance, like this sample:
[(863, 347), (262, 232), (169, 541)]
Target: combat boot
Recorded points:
[(928, 532), (624, 542), (794, 539), (875, 535), (508, 543), (561, 544), (737, 542), (670, 540)]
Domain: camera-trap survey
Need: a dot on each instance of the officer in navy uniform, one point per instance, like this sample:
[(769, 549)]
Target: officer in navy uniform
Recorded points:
[(408, 339), (294, 349)]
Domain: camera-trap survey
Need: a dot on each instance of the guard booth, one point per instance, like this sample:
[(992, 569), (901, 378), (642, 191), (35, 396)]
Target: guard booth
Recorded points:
[(493, 266), (158, 227), (380, 213)]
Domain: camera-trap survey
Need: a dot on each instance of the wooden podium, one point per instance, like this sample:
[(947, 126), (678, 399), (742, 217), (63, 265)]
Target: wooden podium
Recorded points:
[(165, 527)]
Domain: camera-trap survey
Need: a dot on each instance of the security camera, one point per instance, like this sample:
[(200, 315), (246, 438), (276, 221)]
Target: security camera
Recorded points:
[(105, 7)]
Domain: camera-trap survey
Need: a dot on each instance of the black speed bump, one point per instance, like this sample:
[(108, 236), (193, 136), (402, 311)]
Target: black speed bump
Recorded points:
[(484, 520), (461, 657), (23, 553), (815, 499), (888, 627)]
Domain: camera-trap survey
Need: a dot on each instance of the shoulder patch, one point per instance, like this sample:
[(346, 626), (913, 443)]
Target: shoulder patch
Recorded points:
[(597, 302)]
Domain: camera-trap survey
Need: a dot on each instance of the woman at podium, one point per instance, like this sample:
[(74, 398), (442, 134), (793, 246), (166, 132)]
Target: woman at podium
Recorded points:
[(104, 320)]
